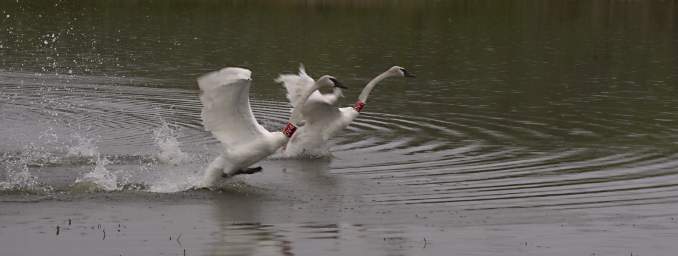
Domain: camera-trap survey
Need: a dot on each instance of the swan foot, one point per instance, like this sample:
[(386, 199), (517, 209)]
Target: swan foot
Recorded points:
[(243, 171)]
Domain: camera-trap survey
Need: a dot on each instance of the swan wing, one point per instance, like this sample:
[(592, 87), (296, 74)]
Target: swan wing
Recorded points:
[(226, 110), (296, 85), (318, 107)]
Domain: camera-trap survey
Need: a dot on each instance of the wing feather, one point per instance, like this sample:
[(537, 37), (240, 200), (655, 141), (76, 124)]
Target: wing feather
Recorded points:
[(318, 107), (296, 85), (226, 110)]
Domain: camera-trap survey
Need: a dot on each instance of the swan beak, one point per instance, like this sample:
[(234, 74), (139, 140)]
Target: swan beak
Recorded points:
[(338, 84), (407, 73)]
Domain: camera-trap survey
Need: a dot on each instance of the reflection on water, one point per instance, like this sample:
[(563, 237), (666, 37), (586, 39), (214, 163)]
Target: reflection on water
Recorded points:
[(539, 105)]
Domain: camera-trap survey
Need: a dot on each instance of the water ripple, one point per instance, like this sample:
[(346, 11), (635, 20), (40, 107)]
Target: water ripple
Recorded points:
[(471, 159)]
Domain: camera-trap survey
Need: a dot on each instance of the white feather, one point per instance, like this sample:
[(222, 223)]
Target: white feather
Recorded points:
[(227, 114), (226, 108), (323, 118), (322, 105)]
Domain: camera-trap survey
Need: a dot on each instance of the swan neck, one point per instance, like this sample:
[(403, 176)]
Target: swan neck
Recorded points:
[(368, 88)]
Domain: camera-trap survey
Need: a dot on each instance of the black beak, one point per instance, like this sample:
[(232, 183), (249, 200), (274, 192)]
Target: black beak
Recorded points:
[(338, 84), (407, 73)]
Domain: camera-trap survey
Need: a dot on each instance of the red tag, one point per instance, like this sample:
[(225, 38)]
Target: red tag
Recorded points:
[(289, 130), (359, 105)]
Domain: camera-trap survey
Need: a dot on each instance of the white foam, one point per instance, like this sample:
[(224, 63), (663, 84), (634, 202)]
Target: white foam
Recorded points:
[(86, 147), (176, 182), (19, 176), (173, 162), (170, 149), (20, 180), (100, 176)]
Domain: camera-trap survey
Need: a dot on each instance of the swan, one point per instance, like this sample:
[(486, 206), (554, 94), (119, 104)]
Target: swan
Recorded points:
[(323, 119), (226, 113)]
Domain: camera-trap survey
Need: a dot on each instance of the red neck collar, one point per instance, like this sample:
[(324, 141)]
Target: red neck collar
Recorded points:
[(359, 105), (289, 130)]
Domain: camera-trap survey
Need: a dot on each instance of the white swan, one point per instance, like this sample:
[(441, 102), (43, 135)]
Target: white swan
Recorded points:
[(227, 114), (297, 84), (323, 119)]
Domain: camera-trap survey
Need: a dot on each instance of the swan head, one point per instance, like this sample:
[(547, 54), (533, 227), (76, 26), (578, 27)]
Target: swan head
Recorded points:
[(400, 71), (330, 82)]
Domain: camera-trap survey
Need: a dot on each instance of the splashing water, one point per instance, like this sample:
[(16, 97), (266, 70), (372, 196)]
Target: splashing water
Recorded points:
[(100, 176), (166, 139), (19, 176), (174, 177), (176, 183), (19, 167), (86, 147)]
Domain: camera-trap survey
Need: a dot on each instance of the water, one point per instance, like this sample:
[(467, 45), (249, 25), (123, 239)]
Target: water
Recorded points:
[(532, 128)]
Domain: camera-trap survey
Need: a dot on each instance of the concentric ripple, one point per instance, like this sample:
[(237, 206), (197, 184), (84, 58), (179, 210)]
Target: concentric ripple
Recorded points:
[(474, 160), (482, 162)]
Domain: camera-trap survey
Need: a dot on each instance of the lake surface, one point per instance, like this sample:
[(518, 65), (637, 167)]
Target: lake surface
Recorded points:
[(532, 128)]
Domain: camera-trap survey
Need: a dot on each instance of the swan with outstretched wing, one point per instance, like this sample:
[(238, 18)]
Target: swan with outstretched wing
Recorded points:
[(297, 84), (323, 118), (227, 114)]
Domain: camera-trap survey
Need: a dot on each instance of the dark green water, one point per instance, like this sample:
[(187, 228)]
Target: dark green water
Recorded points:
[(532, 128)]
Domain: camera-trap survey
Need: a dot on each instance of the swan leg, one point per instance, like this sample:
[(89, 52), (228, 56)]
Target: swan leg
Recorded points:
[(243, 171)]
